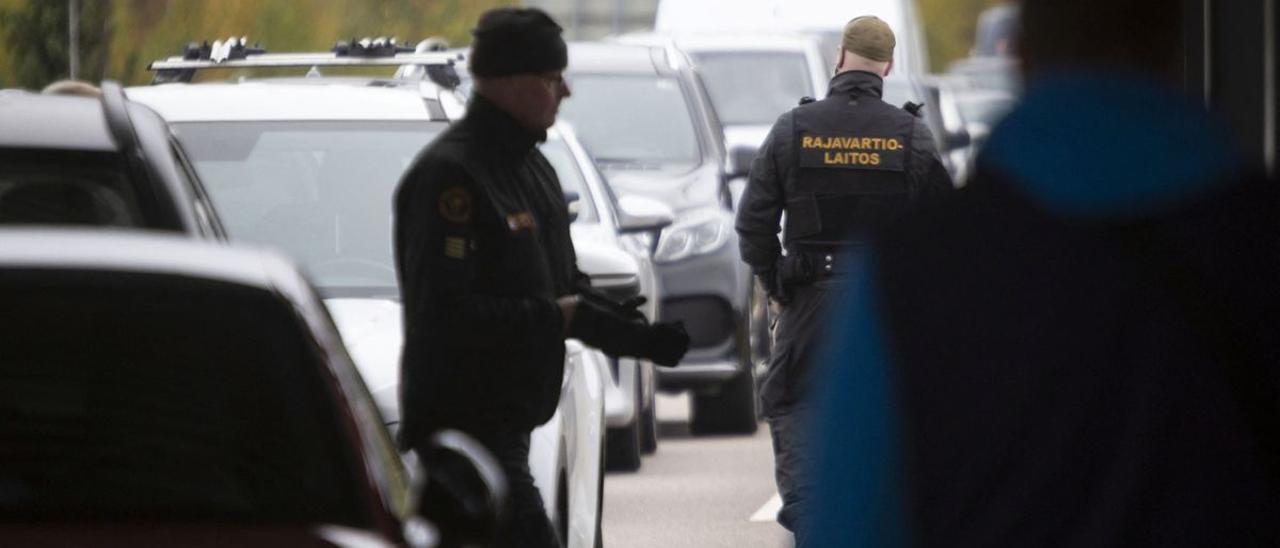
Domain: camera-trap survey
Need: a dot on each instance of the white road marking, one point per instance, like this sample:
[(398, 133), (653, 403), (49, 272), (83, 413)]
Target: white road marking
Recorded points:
[(768, 512)]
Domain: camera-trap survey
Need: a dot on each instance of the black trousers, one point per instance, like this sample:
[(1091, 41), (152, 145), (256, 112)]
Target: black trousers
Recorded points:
[(527, 525), (797, 342)]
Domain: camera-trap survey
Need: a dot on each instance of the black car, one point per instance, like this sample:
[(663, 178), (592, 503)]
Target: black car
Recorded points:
[(645, 116), (155, 390), (70, 160)]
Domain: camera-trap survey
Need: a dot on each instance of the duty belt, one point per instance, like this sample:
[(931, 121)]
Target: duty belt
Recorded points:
[(803, 267), (828, 263)]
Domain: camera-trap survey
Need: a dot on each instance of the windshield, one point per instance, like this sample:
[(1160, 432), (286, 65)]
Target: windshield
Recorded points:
[(753, 88), (318, 191), (637, 120)]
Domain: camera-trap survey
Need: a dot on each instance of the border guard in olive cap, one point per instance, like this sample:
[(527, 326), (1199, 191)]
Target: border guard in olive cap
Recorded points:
[(840, 168), (489, 278)]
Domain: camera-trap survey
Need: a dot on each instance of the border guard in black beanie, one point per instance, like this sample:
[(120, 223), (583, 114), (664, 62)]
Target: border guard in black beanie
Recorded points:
[(489, 278)]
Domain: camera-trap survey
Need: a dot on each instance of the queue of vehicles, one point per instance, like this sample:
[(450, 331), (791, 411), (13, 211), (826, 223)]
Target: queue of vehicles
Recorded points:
[(652, 151)]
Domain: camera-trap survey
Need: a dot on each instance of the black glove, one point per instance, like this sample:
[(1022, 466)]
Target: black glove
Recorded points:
[(667, 343), (629, 309), (618, 329)]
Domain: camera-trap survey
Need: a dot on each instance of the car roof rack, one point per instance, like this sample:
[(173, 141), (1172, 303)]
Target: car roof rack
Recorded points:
[(235, 53)]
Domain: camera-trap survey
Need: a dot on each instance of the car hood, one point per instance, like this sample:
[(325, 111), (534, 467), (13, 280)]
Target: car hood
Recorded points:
[(372, 330), (186, 534), (679, 190)]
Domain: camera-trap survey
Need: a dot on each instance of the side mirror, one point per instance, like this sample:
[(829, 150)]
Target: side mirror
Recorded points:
[(574, 201), (465, 490), (740, 159), (640, 214), (957, 139)]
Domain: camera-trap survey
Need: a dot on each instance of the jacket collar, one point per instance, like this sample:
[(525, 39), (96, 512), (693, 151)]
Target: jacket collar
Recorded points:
[(857, 82), (1109, 146), (500, 128)]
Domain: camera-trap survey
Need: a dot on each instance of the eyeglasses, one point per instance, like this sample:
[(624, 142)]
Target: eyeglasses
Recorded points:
[(555, 78)]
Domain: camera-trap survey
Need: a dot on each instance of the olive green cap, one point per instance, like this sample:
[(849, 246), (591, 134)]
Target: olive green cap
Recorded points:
[(869, 37)]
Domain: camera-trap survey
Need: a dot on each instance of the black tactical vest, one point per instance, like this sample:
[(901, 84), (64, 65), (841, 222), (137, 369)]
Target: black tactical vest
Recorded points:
[(851, 157)]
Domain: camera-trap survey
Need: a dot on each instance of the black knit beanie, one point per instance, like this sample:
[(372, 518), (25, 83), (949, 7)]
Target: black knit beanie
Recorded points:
[(516, 41)]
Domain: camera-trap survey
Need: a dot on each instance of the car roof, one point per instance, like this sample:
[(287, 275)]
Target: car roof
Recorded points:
[(143, 252), (616, 58), (53, 121), (727, 41), (278, 101)]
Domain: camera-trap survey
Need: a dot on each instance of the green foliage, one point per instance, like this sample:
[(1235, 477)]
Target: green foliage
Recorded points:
[(950, 26), (34, 37), (132, 33)]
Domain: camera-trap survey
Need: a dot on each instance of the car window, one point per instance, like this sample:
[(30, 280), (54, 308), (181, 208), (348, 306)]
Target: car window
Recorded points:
[(753, 87), (151, 398), (320, 192), (41, 187), (639, 120), (571, 177)]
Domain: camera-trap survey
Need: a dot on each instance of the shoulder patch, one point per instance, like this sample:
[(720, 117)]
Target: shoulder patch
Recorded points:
[(455, 205)]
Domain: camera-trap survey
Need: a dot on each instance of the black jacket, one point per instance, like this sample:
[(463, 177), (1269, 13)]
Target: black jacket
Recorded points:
[(772, 185), (483, 251)]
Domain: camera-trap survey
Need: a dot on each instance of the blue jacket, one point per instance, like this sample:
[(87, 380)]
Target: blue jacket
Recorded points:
[(1009, 372)]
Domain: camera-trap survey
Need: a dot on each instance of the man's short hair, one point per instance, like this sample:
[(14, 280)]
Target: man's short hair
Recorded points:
[(869, 37), (1125, 34)]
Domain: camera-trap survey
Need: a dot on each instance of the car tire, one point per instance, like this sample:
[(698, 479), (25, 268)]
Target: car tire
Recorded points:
[(649, 425), (623, 445), (731, 410)]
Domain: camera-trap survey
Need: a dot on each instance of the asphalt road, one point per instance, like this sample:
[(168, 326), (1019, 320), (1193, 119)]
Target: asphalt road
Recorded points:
[(696, 492)]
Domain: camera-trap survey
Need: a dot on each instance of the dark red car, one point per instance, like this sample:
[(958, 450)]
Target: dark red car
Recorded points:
[(155, 390)]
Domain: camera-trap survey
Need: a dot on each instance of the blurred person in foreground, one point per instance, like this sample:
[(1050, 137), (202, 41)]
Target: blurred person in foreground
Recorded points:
[(1079, 348), (490, 281), (838, 167)]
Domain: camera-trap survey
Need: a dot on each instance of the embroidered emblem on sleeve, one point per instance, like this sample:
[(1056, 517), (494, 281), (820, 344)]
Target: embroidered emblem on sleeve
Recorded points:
[(455, 205)]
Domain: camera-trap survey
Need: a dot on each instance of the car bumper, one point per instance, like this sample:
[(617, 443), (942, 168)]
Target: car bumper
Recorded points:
[(619, 400), (709, 293)]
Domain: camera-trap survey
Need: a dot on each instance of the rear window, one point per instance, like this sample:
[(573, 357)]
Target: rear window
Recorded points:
[(40, 187), (637, 120), (143, 398), (754, 87)]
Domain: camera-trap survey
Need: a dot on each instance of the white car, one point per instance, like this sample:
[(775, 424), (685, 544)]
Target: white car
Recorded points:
[(308, 166), (630, 223)]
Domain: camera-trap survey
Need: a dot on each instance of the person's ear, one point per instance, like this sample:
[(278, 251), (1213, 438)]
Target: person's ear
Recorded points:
[(887, 69), (839, 60)]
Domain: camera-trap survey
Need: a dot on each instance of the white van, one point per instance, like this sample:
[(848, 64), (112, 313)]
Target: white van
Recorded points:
[(823, 18)]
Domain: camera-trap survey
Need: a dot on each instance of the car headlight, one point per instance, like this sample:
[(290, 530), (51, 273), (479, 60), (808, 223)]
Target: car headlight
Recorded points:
[(701, 233)]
